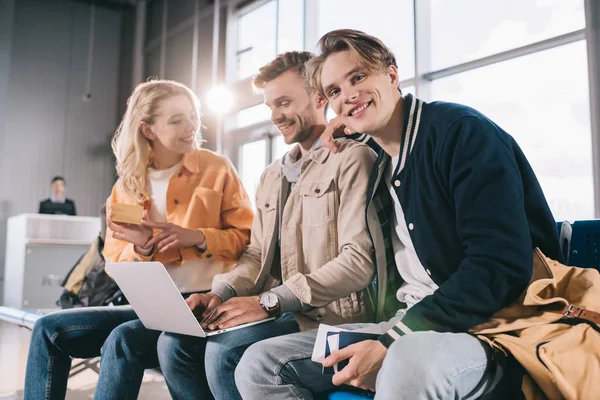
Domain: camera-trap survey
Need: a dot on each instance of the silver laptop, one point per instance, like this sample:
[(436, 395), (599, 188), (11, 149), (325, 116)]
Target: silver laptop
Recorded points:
[(157, 301)]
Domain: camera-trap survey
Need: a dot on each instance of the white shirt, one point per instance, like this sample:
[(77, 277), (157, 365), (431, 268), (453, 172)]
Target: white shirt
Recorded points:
[(159, 183), (193, 275), (417, 283)]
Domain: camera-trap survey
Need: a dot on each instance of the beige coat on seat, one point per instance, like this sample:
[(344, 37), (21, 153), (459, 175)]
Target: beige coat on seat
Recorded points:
[(562, 360)]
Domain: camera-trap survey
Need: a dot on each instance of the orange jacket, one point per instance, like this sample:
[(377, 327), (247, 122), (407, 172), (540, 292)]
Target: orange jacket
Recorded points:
[(205, 193)]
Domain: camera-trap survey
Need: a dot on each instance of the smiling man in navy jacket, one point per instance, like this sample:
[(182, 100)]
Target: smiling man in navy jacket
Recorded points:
[(465, 212)]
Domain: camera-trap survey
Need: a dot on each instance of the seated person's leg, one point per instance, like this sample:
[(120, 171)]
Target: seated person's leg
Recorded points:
[(192, 365), (126, 353), (181, 359), (57, 337), (223, 353), (281, 368), (436, 365)]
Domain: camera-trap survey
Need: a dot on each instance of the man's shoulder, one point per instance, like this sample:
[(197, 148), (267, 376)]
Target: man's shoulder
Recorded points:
[(46, 201), (69, 201), (273, 169), (447, 117), (350, 151)]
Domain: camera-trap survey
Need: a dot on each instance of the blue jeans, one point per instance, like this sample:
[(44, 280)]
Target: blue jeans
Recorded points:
[(194, 367), (126, 346), (421, 365)]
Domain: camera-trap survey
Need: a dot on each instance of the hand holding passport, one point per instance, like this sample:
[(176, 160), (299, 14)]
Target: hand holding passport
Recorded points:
[(331, 339), (340, 340)]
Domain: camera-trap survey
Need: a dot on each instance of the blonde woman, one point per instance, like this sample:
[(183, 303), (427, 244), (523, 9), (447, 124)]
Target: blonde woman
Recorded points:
[(196, 221)]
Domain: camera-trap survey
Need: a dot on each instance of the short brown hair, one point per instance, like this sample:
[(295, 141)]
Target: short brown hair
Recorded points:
[(369, 51), (282, 63)]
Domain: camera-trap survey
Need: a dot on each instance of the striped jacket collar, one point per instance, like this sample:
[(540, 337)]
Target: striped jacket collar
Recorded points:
[(412, 119)]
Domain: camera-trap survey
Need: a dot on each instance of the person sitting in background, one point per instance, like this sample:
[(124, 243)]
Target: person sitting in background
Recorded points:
[(57, 203), (196, 221)]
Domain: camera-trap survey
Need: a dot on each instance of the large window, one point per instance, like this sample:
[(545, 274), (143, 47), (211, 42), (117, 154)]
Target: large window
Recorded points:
[(391, 21), (273, 27), (252, 115), (464, 30), (252, 160), (523, 63), (542, 101)]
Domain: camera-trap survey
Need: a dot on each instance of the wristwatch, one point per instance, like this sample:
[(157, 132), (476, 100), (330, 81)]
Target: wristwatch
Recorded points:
[(270, 303)]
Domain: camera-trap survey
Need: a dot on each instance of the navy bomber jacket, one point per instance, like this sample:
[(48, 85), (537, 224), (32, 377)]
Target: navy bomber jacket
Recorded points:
[(475, 212)]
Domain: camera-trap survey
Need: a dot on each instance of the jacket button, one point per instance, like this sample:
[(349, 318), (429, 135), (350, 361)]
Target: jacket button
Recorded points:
[(317, 191), (209, 255), (397, 183), (267, 205), (411, 226), (176, 201), (179, 174)]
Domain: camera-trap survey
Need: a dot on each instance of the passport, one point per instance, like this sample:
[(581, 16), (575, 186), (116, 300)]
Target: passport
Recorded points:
[(344, 339)]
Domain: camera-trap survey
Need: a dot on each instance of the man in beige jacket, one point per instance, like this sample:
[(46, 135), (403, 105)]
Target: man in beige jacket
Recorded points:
[(310, 256)]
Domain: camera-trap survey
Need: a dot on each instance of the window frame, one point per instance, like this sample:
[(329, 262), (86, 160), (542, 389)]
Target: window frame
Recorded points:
[(425, 75)]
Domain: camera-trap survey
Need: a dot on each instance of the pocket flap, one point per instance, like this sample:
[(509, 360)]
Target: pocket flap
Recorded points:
[(317, 189), (266, 203)]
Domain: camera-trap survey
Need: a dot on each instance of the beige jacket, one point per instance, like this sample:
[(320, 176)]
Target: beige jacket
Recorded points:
[(560, 354), (325, 246)]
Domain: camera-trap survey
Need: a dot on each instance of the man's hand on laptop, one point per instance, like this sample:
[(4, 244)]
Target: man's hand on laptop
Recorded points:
[(236, 311), (334, 129), (203, 303)]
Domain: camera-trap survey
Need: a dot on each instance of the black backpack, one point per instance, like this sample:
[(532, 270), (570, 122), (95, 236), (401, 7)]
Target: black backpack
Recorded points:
[(87, 283)]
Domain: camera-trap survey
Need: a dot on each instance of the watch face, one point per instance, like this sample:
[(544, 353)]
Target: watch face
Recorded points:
[(268, 299)]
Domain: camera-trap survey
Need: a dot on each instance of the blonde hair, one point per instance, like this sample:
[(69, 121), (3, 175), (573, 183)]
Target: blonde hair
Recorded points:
[(131, 148), (369, 51)]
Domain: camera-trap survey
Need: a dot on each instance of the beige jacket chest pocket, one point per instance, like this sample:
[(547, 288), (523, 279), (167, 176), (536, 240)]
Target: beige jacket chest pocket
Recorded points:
[(318, 202)]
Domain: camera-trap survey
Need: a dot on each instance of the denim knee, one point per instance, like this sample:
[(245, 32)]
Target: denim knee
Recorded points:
[(45, 326), (170, 351), (433, 364), (50, 327), (255, 358), (121, 342), (222, 350), (426, 362)]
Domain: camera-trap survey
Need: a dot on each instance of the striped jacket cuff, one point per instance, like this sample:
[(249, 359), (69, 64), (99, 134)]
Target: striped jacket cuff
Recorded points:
[(397, 331), (407, 325)]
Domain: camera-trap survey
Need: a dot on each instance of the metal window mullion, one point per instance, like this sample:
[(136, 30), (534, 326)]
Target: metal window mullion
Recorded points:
[(408, 82), (592, 35), (182, 26), (231, 44), (240, 12), (311, 25), (547, 44), (276, 27), (163, 41), (137, 69), (195, 42), (269, 142), (422, 38)]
